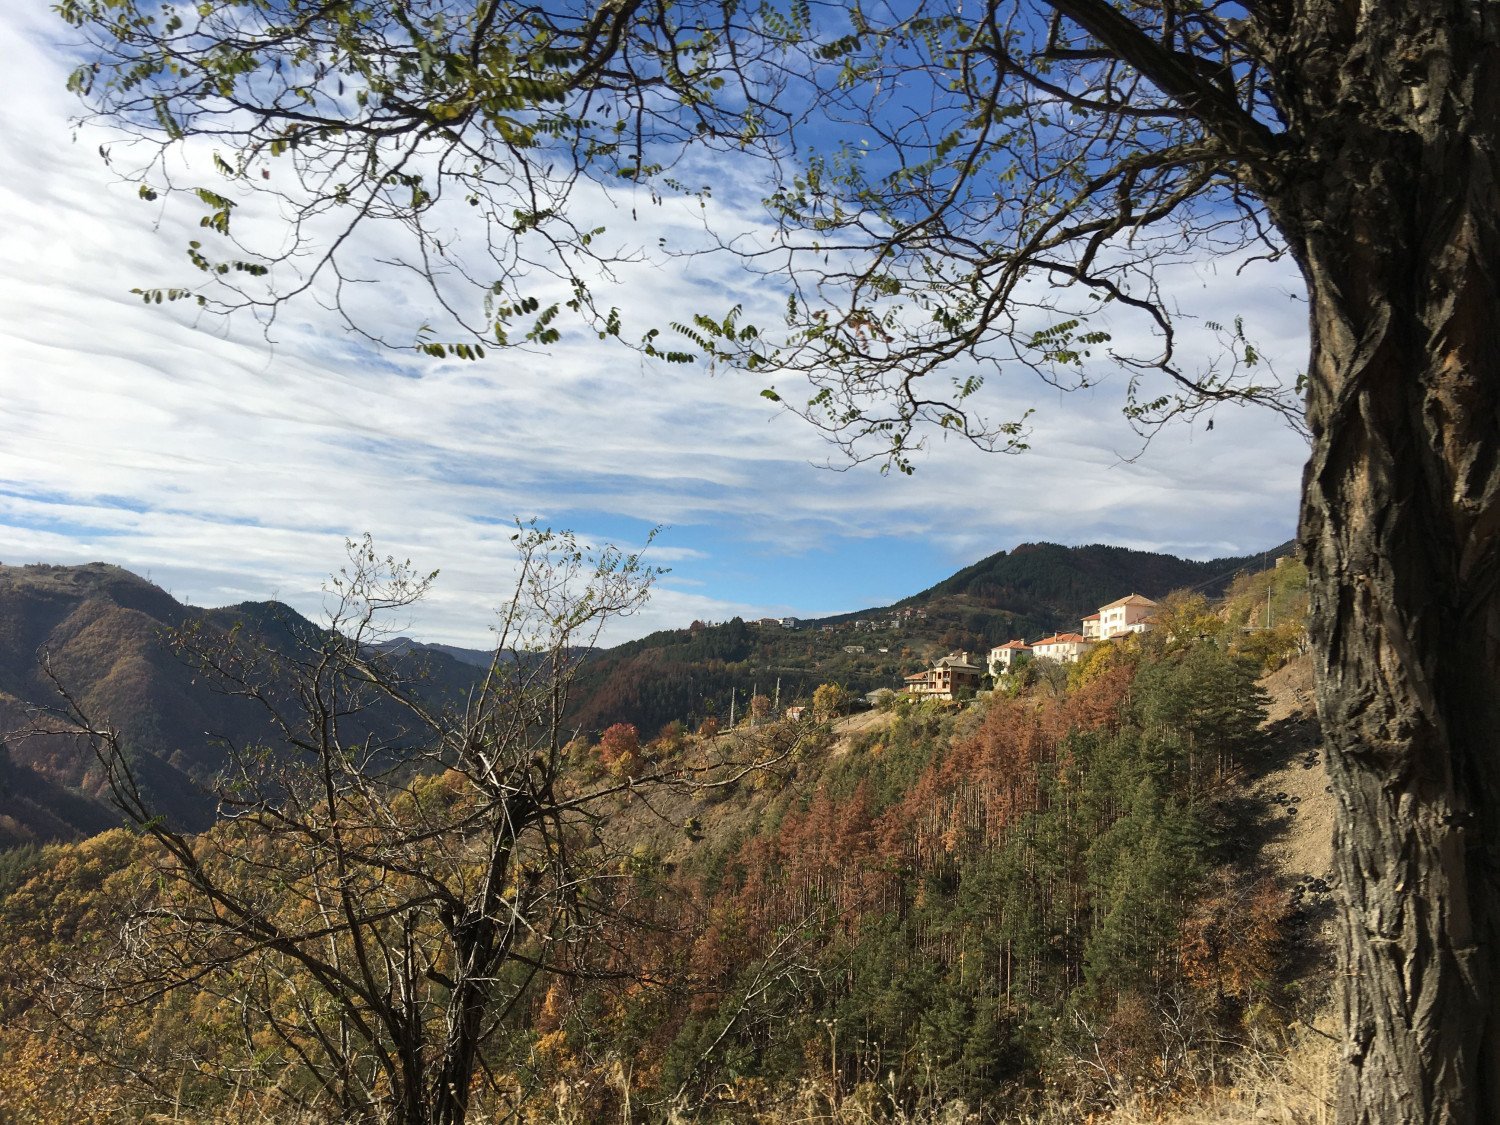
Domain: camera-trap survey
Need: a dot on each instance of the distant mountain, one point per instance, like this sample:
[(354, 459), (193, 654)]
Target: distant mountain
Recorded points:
[(475, 657), (101, 631), (1052, 584), (1031, 590)]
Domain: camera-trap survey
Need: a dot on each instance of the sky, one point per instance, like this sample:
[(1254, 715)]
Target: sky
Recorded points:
[(228, 467)]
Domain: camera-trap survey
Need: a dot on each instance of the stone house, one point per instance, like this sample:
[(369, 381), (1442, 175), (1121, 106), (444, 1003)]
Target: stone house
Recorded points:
[(946, 678)]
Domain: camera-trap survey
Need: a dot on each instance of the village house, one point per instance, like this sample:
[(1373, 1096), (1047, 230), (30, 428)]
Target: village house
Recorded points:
[(1066, 648), (1130, 614), (945, 679), (1007, 657)]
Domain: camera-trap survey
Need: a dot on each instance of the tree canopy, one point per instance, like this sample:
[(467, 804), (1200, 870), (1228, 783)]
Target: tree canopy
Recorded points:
[(949, 196)]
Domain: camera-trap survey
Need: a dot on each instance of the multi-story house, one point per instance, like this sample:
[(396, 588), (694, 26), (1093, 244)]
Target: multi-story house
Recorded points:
[(1064, 647), (945, 679), (1003, 658), (1130, 614)]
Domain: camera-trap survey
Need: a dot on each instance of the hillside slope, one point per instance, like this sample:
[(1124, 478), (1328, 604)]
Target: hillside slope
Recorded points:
[(1125, 848), (1101, 892), (101, 633), (1031, 590), (1286, 1079), (1070, 581), (101, 629)]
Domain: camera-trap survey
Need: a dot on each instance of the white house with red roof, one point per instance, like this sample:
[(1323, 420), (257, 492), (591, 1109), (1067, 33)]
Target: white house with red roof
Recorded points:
[(1011, 654), (1130, 614), (1065, 648)]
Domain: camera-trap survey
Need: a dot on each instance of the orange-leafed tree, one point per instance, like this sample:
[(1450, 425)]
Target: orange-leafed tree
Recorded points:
[(620, 749)]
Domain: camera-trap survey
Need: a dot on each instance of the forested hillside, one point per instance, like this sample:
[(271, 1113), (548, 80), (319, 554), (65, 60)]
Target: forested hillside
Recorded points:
[(1071, 581), (1065, 896), (106, 637), (1027, 592)]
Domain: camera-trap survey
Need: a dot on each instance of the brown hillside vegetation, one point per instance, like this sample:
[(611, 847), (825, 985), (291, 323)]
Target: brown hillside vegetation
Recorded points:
[(106, 635), (810, 845), (1097, 894), (1280, 1075)]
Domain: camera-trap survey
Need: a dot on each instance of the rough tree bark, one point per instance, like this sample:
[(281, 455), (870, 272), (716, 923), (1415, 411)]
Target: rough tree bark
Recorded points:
[(1394, 214)]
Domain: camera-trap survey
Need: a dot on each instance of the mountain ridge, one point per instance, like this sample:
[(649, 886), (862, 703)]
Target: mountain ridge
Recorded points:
[(1029, 591), (102, 634), (101, 630)]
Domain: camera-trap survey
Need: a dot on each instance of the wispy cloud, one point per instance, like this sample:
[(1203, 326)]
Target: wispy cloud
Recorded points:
[(232, 468)]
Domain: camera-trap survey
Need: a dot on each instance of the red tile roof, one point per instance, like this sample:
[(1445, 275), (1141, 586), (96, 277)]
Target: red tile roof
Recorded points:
[(1059, 639)]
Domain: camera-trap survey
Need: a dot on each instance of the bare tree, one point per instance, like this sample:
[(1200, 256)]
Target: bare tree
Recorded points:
[(960, 190), (385, 883)]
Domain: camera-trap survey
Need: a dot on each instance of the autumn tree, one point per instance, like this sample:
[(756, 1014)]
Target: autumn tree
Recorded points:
[(386, 881), (955, 192), (620, 749), (828, 702)]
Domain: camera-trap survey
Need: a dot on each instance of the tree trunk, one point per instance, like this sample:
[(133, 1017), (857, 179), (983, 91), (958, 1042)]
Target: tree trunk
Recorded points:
[(466, 1012), (1394, 220)]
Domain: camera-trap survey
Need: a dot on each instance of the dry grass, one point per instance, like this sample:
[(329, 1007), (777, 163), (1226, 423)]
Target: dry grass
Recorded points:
[(1294, 1086), (1268, 1083)]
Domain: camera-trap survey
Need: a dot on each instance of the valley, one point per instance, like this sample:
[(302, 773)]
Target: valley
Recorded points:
[(1098, 889)]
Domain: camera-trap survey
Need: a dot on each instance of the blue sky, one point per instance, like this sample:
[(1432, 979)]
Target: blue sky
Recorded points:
[(229, 468)]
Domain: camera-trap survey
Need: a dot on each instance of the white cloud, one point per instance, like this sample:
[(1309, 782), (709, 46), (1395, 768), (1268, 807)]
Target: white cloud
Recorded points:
[(231, 468)]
